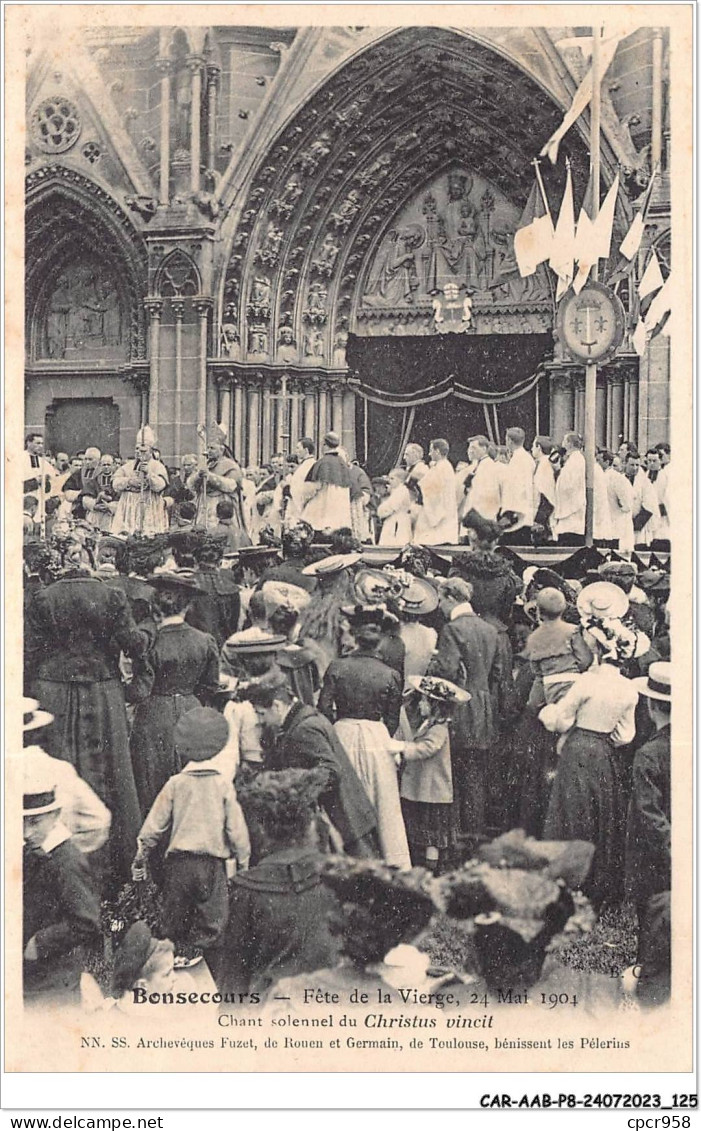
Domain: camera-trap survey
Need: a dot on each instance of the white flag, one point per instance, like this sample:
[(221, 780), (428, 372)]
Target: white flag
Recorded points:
[(660, 305), (533, 238), (562, 252), (633, 237), (652, 278), (584, 242), (639, 338), (582, 97), (603, 225)]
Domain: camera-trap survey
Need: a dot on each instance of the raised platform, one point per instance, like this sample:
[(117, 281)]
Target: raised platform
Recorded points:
[(532, 555)]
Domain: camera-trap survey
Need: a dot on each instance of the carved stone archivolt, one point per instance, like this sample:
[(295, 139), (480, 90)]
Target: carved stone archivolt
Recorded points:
[(408, 171)]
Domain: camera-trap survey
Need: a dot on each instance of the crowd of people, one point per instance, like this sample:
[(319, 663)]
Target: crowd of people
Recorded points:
[(233, 709), (537, 497)]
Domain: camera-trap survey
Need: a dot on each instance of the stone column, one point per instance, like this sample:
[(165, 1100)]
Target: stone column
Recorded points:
[(202, 307), (165, 69), (154, 306), (178, 308), (295, 433), (267, 421), (237, 436), (213, 76), (310, 428), (225, 408), (337, 412), (323, 414), (253, 393), (601, 412), (633, 408), (579, 415), (348, 433), (654, 393), (617, 421), (195, 64), (561, 405)]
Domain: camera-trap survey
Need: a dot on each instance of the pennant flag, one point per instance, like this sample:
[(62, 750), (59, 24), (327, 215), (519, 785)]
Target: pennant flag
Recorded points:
[(603, 225), (630, 244), (582, 98), (561, 257), (639, 337), (652, 278), (584, 241), (660, 307), (534, 236)]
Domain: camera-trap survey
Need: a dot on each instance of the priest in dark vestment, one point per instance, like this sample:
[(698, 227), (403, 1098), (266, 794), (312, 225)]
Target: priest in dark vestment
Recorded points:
[(330, 506), (220, 478)]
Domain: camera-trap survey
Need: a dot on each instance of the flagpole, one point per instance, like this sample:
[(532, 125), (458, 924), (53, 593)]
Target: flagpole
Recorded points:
[(590, 371), (541, 186)]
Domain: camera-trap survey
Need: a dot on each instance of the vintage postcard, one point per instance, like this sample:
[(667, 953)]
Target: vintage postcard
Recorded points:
[(348, 566)]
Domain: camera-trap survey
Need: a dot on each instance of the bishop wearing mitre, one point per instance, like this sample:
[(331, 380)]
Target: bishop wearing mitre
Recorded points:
[(218, 477), (139, 484)]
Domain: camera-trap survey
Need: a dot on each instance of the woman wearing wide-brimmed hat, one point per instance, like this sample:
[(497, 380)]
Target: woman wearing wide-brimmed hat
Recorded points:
[(418, 599), (589, 795), (182, 665), (431, 815)]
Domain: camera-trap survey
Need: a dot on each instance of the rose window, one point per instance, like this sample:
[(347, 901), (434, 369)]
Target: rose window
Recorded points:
[(55, 125)]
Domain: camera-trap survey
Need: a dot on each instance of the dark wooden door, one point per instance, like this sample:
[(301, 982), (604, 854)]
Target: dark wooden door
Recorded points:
[(77, 423)]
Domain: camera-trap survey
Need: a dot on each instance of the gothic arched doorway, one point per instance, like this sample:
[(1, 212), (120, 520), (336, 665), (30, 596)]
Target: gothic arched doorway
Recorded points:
[(406, 173)]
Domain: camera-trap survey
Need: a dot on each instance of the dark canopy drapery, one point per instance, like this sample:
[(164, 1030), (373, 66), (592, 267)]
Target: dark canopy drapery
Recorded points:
[(447, 381)]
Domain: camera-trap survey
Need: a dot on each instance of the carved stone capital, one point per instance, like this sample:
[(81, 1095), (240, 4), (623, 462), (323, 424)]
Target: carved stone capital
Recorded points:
[(203, 307), (154, 308), (164, 66), (194, 64), (178, 307), (213, 74)]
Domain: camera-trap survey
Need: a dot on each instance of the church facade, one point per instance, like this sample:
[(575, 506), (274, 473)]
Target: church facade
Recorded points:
[(291, 230)]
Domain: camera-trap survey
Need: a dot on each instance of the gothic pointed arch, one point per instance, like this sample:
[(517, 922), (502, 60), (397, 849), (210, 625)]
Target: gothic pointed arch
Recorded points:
[(73, 221), (178, 276), (395, 121)]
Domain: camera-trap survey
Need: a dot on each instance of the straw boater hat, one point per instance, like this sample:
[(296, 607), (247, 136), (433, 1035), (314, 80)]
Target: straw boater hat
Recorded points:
[(33, 717), (418, 598), (260, 647), (441, 690), (331, 565), (602, 600), (657, 684), (39, 793)]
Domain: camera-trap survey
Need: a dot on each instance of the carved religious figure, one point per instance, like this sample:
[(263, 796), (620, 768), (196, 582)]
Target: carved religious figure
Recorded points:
[(395, 274), (83, 316), (284, 204), (347, 211), (326, 255), (287, 346), (258, 340), (316, 303), (314, 343), (456, 239), (231, 343), (312, 157), (339, 350)]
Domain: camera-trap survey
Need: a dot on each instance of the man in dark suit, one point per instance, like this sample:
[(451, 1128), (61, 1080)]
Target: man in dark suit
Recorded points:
[(305, 739), (61, 910), (649, 837), (468, 654)]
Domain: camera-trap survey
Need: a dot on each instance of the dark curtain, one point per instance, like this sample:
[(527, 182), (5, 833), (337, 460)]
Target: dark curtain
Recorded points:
[(488, 362)]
